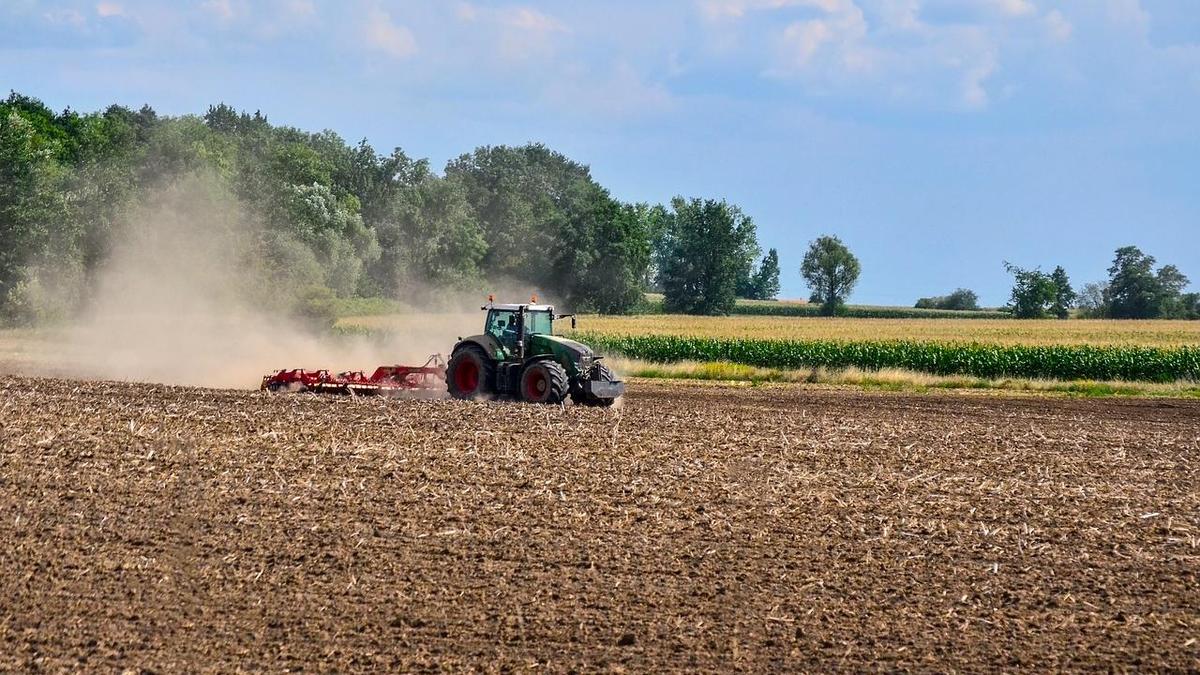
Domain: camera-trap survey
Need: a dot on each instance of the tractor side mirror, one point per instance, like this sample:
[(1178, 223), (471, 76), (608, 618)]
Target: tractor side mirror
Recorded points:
[(572, 322)]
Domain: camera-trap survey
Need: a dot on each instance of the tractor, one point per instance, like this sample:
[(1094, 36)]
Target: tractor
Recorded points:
[(518, 356)]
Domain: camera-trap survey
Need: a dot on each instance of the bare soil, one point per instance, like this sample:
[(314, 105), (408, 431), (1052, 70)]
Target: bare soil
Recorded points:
[(692, 528)]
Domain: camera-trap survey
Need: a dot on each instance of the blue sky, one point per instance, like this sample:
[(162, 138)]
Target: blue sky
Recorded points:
[(938, 138)]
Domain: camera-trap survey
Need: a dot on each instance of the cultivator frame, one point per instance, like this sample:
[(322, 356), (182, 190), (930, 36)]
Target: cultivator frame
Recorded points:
[(386, 380)]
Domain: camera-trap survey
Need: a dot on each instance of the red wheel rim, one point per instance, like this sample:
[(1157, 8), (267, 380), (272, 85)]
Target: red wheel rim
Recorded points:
[(535, 385), (466, 376)]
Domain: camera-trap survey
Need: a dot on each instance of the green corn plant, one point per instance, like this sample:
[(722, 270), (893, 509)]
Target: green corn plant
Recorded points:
[(1059, 362)]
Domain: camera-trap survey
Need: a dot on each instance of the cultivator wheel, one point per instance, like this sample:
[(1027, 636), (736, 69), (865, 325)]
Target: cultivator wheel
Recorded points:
[(544, 382), (470, 373)]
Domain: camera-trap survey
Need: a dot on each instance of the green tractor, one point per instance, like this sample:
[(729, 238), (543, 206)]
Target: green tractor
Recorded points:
[(518, 356)]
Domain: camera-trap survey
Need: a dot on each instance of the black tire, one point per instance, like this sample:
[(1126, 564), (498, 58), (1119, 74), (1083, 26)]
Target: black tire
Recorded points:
[(580, 397), (470, 373), (544, 382)]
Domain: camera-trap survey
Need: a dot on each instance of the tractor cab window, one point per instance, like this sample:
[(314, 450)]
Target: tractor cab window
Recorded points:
[(540, 322), (502, 325)]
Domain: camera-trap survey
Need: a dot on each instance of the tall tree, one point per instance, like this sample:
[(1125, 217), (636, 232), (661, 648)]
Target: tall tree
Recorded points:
[(1133, 291), (1064, 295), (31, 202), (706, 246), (1190, 305), (764, 284), (1136, 291), (1033, 292), (547, 222), (653, 221), (1171, 283), (428, 239), (831, 271)]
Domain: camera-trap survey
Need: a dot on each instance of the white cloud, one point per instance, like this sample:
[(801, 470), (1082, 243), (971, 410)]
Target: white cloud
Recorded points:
[(888, 48), (1128, 14), (223, 9), (974, 90), (107, 9), (66, 16), (1014, 8), (839, 36), (465, 11), (520, 33), (300, 7), (735, 9), (391, 38), (1057, 26), (719, 9), (526, 19)]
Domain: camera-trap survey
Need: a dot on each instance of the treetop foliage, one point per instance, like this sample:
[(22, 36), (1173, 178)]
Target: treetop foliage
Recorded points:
[(329, 214), (706, 249)]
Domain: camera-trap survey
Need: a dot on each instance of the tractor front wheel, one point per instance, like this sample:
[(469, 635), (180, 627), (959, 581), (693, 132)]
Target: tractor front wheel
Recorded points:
[(469, 374), (544, 382)]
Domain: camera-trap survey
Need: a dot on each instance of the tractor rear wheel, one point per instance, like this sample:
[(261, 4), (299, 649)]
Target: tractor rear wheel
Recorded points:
[(470, 373), (581, 397), (544, 382)]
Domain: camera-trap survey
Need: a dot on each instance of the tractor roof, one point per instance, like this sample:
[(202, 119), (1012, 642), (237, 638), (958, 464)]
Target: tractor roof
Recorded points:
[(513, 308)]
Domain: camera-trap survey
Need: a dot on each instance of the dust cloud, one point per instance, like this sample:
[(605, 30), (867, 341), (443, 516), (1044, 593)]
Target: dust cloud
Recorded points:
[(185, 298)]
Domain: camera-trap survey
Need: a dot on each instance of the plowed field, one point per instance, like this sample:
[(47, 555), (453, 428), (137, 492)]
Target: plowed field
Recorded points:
[(696, 528)]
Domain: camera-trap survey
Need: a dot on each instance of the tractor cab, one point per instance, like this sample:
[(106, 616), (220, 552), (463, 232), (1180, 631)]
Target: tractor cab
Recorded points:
[(511, 325)]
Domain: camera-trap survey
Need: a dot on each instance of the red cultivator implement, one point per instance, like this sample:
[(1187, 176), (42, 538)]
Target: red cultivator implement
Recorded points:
[(385, 380)]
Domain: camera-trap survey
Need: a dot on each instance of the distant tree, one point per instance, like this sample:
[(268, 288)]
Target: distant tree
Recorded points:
[(764, 284), (1171, 283), (705, 248), (831, 271), (652, 222), (1190, 305), (32, 202), (961, 299), (429, 240), (1033, 292), (1064, 295), (548, 222), (1091, 301), (1133, 291), (1136, 291)]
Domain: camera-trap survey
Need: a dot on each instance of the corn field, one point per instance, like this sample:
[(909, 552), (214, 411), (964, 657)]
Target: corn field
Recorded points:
[(1157, 333), (1060, 362)]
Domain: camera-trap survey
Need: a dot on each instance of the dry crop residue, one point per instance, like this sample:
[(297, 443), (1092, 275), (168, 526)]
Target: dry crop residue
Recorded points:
[(699, 528)]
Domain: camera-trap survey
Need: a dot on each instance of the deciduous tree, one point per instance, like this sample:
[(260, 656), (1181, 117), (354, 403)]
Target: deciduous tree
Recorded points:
[(706, 244), (831, 271)]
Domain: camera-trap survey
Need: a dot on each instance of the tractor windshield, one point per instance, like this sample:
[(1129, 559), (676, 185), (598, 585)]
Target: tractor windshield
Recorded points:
[(502, 325), (539, 322)]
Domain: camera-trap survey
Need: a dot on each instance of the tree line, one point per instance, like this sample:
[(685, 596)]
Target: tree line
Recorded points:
[(329, 219), (332, 219), (1135, 289)]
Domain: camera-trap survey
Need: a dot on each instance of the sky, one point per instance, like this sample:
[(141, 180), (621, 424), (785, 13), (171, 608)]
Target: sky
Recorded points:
[(937, 138)]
